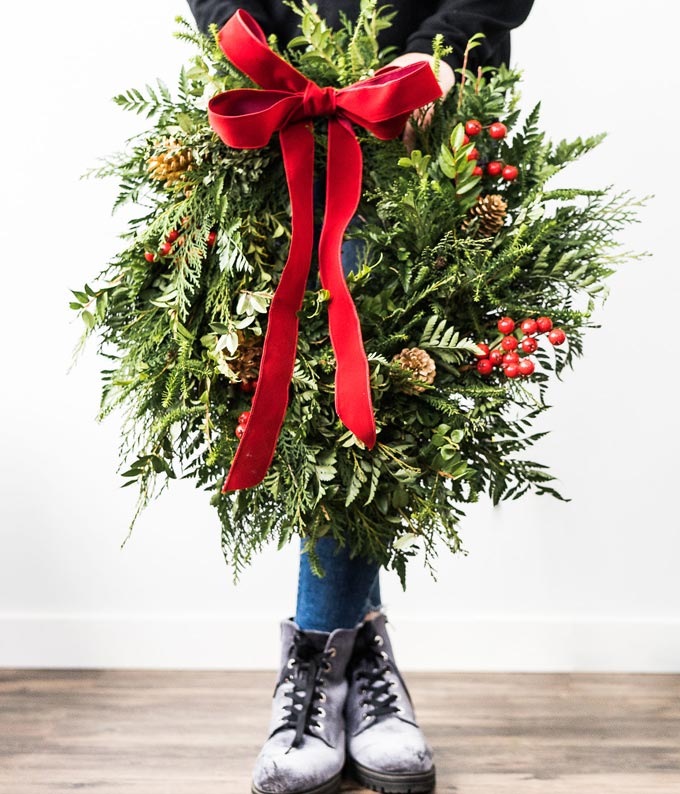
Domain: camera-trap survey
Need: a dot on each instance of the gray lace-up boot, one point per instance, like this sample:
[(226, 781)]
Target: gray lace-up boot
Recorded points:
[(386, 750), (305, 751)]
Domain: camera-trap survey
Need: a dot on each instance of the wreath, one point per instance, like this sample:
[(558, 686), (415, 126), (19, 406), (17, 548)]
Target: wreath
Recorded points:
[(473, 282)]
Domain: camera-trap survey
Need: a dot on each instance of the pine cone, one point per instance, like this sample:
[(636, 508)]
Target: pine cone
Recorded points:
[(489, 212), (246, 361), (172, 162), (420, 365)]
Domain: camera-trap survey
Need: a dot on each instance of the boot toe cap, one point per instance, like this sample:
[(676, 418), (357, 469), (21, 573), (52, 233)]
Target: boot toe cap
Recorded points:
[(392, 746), (279, 769)]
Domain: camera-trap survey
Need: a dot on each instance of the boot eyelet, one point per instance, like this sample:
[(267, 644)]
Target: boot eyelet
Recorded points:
[(366, 717), (291, 662), (322, 697), (384, 655), (379, 640), (327, 667), (321, 713), (332, 652)]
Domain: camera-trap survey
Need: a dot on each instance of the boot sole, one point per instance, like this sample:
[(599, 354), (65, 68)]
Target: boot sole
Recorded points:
[(329, 787), (392, 782)]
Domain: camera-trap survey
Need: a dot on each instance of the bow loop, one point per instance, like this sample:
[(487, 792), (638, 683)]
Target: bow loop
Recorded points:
[(246, 119)]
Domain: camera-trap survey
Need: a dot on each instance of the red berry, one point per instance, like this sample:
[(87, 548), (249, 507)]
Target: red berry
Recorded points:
[(174, 234), (557, 336), (509, 343), (498, 130), (528, 326), (248, 386), (165, 249), (496, 357), (240, 430), (244, 417), (510, 172), (494, 168), (526, 366), (474, 154), (484, 366), (511, 358), (506, 325), (511, 370), (212, 236), (477, 171), (473, 127), (466, 140), (544, 324), (529, 344), (149, 256), (484, 348)]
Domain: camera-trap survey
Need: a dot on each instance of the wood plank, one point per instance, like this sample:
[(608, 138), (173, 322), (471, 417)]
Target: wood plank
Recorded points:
[(147, 732)]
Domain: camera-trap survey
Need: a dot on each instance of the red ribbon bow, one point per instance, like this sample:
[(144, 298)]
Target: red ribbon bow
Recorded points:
[(246, 119)]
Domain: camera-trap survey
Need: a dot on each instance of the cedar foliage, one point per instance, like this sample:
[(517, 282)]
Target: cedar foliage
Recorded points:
[(166, 329)]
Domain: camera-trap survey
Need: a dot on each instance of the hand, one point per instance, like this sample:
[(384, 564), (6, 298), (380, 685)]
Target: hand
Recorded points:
[(423, 115)]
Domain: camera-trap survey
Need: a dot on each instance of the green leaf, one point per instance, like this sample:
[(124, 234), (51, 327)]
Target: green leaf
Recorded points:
[(405, 541), (461, 190), (457, 137), (326, 473), (258, 304), (228, 342), (446, 163), (185, 122)]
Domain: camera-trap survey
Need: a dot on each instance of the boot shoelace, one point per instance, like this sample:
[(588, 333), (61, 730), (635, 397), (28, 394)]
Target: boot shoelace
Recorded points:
[(304, 667), (373, 665)]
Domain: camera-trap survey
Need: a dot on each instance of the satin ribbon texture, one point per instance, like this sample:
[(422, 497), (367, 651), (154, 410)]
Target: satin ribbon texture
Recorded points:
[(286, 103)]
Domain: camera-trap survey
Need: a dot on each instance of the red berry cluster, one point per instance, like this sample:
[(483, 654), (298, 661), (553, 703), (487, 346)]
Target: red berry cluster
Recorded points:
[(242, 422), (165, 248), (507, 355), (248, 387), (497, 131)]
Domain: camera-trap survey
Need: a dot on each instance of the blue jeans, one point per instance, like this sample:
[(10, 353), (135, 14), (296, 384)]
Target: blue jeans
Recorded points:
[(351, 587), (339, 600)]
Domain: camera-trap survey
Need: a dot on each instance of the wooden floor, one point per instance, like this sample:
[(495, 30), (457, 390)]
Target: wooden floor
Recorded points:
[(128, 732)]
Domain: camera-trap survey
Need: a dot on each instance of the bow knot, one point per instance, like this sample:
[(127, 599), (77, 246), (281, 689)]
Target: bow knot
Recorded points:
[(318, 101), (247, 118)]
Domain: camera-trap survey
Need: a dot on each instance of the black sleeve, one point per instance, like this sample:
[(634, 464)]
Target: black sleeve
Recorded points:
[(457, 20), (218, 11)]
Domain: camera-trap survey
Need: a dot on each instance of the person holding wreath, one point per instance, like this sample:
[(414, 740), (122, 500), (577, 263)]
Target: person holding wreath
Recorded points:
[(340, 702)]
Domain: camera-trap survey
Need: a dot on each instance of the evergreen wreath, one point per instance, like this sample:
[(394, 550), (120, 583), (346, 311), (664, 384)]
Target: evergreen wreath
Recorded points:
[(451, 242)]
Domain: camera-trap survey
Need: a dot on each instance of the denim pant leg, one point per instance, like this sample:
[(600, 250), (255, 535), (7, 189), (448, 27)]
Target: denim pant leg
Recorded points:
[(339, 600), (351, 587)]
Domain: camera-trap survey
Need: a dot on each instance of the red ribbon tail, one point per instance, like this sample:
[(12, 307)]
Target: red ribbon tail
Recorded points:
[(247, 118), (256, 449), (343, 191)]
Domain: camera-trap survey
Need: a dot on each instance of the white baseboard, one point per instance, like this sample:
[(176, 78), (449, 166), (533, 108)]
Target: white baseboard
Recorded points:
[(213, 642)]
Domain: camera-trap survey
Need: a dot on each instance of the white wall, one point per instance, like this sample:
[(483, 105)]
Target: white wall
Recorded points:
[(591, 584)]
